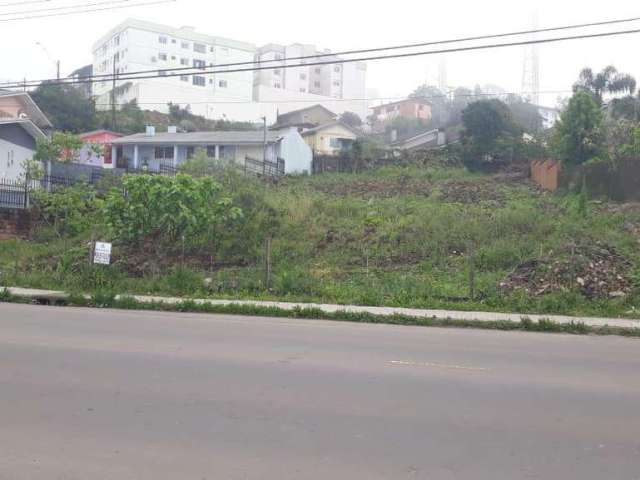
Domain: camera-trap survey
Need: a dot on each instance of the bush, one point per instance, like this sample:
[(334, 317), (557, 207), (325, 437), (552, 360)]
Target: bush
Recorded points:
[(173, 212), (70, 211)]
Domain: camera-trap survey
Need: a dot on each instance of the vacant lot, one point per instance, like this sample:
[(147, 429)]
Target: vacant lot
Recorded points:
[(399, 236)]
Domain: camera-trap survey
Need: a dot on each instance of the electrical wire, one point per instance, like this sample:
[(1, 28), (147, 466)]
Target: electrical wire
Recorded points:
[(28, 2), (373, 50), (68, 7), (61, 14), (343, 61)]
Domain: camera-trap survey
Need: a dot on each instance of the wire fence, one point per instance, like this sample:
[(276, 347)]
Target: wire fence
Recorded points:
[(264, 168)]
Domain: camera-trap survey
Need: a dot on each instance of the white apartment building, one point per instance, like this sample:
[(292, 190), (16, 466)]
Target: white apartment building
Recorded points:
[(137, 45), (340, 87)]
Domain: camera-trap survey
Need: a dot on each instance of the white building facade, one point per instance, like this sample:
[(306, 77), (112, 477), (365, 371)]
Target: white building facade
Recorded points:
[(136, 45)]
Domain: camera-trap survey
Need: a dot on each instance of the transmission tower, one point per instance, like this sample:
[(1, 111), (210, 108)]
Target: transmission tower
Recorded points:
[(531, 70)]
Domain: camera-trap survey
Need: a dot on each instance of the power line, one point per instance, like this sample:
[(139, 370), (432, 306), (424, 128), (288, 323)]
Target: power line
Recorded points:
[(68, 7), (376, 49), (271, 102), (61, 14), (13, 4), (351, 60)]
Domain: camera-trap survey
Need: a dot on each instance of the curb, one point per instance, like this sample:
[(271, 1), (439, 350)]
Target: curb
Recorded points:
[(595, 322)]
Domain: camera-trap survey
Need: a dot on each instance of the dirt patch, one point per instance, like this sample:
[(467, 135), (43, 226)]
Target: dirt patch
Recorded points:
[(382, 188), (596, 270), (472, 191)]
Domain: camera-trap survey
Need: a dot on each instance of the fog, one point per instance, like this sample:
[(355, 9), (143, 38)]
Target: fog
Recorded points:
[(341, 25)]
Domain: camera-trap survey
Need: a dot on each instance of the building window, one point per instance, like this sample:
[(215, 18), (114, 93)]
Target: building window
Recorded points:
[(336, 69), (318, 70), (184, 61), (173, 57), (223, 84), (185, 45), (336, 83), (163, 57), (335, 143), (184, 78), (200, 48), (303, 76), (163, 153), (173, 40), (199, 81), (116, 40), (163, 40), (199, 64), (277, 85), (316, 84), (277, 73)]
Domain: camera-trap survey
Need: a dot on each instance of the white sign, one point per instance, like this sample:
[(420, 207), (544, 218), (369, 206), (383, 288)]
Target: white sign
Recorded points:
[(102, 254)]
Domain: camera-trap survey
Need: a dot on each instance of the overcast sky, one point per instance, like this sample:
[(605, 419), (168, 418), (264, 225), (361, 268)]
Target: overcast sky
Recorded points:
[(342, 25)]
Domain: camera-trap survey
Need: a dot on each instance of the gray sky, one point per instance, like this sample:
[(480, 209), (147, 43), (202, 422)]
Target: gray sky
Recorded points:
[(343, 24)]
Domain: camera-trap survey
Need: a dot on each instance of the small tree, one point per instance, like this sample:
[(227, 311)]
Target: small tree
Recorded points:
[(62, 147), (578, 135), (351, 119)]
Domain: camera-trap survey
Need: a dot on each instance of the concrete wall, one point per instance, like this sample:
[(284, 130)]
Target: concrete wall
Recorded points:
[(296, 152)]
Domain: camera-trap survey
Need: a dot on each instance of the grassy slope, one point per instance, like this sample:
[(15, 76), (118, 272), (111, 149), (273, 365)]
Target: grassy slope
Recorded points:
[(396, 236)]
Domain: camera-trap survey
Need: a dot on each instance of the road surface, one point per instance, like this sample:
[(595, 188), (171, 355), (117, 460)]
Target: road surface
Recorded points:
[(98, 394)]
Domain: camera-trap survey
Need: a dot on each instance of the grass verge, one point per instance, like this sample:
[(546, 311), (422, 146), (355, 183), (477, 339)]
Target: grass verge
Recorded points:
[(110, 300)]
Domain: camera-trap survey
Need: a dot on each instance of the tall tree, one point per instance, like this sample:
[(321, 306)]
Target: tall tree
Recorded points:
[(607, 82), (578, 136), (351, 119), (67, 108)]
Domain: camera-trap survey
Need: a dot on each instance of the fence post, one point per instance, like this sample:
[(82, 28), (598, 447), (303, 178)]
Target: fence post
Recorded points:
[(267, 262)]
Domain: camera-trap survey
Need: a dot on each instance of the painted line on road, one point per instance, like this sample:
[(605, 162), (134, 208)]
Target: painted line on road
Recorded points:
[(438, 365)]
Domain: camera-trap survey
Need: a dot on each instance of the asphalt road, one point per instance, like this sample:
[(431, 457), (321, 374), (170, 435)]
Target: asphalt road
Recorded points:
[(87, 394)]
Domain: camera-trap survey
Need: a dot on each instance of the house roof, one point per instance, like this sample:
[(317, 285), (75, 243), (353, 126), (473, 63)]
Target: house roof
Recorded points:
[(329, 125), (32, 109), (284, 116), (251, 137), (421, 100), (100, 132), (30, 127), (417, 140)]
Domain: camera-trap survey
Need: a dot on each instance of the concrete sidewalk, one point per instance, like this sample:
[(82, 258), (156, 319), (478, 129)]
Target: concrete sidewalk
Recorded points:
[(381, 311)]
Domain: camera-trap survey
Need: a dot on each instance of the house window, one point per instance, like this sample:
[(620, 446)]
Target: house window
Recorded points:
[(200, 48), (223, 84), (163, 40), (335, 143), (199, 81), (184, 61), (184, 78), (190, 152), (199, 64), (163, 153), (211, 151), (154, 59), (163, 57)]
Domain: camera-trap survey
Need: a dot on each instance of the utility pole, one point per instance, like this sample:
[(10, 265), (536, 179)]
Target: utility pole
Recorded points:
[(264, 147), (113, 97)]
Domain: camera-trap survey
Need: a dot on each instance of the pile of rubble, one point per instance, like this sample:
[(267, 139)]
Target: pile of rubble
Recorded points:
[(596, 270)]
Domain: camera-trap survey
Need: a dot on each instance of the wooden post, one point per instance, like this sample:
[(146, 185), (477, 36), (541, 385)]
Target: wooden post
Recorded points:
[(267, 263), (472, 271)]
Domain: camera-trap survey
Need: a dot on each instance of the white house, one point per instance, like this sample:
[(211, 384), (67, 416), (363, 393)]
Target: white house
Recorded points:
[(155, 150), (137, 45)]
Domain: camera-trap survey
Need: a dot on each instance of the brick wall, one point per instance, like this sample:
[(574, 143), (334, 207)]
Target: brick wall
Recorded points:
[(14, 223)]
